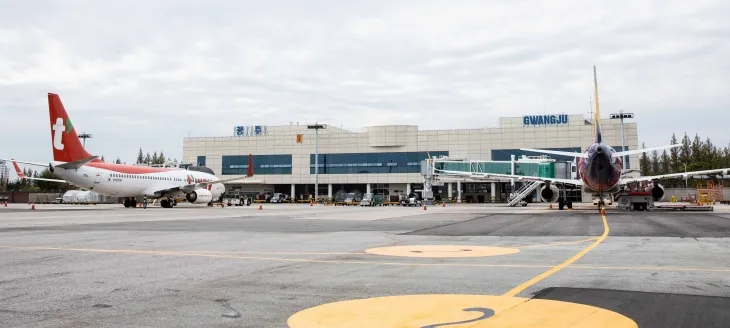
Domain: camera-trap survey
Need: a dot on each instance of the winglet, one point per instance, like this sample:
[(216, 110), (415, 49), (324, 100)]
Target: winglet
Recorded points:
[(250, 166), (17, 170)]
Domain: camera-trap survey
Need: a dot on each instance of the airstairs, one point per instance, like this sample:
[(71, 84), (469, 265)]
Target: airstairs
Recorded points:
[(521, 193)]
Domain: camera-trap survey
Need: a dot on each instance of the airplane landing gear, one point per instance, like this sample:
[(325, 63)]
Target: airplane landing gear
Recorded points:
[(167, 203), (130, 202)]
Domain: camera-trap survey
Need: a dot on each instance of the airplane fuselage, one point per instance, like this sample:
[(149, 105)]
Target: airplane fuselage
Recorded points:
[(120, 180), (600, 171)]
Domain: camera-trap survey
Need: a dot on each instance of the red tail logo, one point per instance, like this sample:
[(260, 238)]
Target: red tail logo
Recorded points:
[(66, 144)]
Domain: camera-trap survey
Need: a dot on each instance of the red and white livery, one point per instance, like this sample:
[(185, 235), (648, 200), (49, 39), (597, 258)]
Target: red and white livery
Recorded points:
[(76, 166)]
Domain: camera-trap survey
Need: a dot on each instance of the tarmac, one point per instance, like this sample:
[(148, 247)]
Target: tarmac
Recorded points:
[(301, 266)]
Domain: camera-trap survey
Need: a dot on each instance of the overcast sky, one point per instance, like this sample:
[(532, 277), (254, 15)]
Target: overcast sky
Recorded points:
[(148, 73)]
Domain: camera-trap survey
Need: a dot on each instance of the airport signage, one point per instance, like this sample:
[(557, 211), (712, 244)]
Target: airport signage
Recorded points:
[(537, 120), (249, 131)]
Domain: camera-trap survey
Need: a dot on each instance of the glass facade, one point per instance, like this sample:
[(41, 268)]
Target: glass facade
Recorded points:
[(262, 164), (201, 161), (504, 154), (361, 163)]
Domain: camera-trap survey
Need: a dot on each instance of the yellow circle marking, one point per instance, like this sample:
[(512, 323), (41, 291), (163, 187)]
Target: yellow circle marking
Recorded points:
[(441, 251), (456, 311)]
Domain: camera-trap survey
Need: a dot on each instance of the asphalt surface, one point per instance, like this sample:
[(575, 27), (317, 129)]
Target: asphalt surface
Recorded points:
[(241, 267)]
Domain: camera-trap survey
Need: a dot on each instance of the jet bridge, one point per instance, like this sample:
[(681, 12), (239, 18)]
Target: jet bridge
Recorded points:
[(439, 170)]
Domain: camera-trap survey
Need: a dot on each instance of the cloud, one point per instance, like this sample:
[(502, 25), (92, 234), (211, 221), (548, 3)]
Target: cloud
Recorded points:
[(147, 78)]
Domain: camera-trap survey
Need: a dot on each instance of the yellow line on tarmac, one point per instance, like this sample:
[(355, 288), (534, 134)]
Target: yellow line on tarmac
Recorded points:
[(514, 291)]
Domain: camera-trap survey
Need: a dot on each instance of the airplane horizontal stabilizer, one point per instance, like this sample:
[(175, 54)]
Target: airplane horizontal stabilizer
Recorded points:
[(640, 151), (555, 152), (77, 164)]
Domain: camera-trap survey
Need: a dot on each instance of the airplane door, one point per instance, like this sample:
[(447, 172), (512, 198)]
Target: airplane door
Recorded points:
[(97, 179)]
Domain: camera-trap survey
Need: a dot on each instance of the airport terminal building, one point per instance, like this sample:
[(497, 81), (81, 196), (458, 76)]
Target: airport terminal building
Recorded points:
[(386, 159)]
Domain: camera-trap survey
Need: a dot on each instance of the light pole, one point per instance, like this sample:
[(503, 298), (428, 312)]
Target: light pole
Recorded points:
[(685, 175), (85, 136), (316, 128), (621, 115)]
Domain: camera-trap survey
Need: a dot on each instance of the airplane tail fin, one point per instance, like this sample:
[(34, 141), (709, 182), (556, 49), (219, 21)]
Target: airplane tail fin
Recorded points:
[(250, 166), (597, 114), (66, 144)]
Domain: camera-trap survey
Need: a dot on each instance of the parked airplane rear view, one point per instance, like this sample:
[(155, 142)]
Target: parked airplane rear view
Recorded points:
[(76, 166), (600, 166)]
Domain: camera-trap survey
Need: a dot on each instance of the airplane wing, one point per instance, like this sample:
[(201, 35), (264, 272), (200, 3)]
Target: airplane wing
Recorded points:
[(640, 151), (556, 152), (724, 171), (200, 185), (575, 182), (24, 162), (22, 176)]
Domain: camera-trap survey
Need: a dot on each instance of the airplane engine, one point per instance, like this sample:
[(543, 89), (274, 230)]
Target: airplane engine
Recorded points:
[(657, 192), (549, 193), (199, 196)]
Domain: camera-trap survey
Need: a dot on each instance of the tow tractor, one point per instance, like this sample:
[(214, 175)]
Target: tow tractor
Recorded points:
[(414, 199)]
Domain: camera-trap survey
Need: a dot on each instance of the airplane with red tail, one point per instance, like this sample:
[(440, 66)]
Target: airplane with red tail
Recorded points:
[(76, 166)]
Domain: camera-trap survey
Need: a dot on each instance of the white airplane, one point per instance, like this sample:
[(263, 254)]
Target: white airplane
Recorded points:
[(77, 167), (600, 167)]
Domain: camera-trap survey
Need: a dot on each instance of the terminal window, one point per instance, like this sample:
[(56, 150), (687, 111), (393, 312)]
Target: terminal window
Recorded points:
[(504, 154), (262, 164), (201, 161), (363, 163)]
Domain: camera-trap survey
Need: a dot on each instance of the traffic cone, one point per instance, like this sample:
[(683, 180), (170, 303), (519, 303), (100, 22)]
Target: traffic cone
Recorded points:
[(424, 207), (311, 204), (32, 207), (551, 206), (443, 204), (6, 204), (603, 211), (260, 207)]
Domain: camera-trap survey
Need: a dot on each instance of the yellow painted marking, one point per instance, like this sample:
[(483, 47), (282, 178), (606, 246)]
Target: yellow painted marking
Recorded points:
[(527, 284), (560, 243), (456, 265), (453, 311), (441, 251)]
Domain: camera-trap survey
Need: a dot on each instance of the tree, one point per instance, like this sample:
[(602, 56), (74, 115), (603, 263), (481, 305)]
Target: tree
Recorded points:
[(696, 158), (102, 158), (644, 162), (665, 162), (147, 159), (685, 152), (674, 155), (118, 161), (161, 158), (49, 186), (654, 162), (155, 159), (140, 157)]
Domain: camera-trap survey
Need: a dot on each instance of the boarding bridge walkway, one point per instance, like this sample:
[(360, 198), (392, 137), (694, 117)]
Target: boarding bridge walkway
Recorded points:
[(448, 168)]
